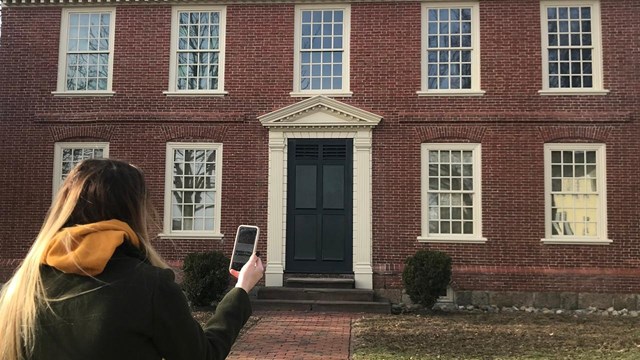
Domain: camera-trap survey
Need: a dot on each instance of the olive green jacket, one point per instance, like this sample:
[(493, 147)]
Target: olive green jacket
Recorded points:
[(132, 310)]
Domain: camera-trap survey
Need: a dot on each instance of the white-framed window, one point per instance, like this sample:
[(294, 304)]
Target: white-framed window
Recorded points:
[(575, 194), (571, 48), (197, 51), (192, 190), (66, 155), (450, 55), (451, 193), (85, 61), (321, 60)]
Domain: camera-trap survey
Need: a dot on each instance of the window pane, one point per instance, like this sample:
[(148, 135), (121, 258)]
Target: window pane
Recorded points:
[(569, 35), (322, 32), (450, 32), (87, 46), (71, 156), (198, 46), (575, 200), (450, 192), (194, 171)]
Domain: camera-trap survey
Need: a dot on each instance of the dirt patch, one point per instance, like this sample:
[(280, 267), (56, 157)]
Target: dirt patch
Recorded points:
[(495, 336)]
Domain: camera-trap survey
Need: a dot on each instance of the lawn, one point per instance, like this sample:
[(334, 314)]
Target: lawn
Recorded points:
[(495, 336)]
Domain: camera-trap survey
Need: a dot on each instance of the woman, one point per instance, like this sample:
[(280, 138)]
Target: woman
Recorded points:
[(93, 287)]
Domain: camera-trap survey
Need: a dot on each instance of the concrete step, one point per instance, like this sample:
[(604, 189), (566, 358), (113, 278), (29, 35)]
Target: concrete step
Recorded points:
[(316, 282), (290, 293), (380, 307)]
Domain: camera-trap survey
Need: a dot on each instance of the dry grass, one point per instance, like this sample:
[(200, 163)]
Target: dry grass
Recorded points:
[(495, 336)]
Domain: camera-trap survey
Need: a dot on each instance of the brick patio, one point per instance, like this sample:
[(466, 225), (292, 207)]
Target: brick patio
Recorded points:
[(296, 336)]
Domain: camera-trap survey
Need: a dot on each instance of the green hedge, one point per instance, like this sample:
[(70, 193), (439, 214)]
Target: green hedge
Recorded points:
[(426, 276), (206, 277)]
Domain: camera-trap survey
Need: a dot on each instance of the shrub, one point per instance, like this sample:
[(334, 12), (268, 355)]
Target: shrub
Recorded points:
[(426, 276), (206, 277)]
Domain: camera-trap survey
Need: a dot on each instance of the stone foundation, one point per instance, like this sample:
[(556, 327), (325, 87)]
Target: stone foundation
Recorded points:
[(549, 300)]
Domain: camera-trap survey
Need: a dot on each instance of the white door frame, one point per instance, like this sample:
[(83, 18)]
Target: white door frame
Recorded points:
[(324, 118)]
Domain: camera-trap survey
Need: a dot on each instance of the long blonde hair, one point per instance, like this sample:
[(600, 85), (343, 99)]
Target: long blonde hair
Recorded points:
[(95, 190)]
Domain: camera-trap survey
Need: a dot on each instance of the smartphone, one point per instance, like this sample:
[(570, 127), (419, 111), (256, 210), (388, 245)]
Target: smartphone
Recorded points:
[(244, 246)]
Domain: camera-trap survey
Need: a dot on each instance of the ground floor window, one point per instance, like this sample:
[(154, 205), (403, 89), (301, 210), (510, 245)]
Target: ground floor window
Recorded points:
[(451, 209), (192, 190), (575, 193), (68, 154)]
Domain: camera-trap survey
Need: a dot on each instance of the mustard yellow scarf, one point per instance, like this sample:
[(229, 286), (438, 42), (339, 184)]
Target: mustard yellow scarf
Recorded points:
[(86, 249)]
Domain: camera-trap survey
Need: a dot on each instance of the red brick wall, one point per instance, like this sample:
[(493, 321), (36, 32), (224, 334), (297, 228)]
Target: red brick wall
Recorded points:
[(512, 121)]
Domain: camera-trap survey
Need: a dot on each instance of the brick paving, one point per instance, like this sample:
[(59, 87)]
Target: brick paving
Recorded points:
[(295, 336)]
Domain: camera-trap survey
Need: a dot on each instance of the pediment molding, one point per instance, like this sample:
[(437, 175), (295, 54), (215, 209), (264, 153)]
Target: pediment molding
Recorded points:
[(320, 112)]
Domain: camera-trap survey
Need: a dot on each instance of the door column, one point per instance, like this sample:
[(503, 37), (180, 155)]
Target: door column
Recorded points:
[(276, 210), (363, 273)]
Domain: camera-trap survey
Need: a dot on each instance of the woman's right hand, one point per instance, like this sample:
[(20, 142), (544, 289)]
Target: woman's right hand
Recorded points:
[(250, 273)]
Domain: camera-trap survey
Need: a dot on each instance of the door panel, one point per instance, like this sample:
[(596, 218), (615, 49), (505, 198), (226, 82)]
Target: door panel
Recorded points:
[(333, 186), (306, 231), (306, 187), (319, 206), (333, 237)]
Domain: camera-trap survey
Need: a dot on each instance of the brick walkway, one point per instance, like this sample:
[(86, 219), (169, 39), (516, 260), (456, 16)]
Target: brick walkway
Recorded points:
[(295, 336)]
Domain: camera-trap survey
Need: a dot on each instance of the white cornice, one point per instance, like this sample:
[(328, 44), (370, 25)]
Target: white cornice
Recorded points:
[(320, 111), (10, 3)]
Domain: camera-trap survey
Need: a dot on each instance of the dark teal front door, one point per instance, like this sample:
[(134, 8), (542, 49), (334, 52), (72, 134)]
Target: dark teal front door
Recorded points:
[(319, 206)]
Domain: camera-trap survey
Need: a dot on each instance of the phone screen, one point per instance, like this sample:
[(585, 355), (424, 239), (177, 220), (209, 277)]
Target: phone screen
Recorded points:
[(244, 247)]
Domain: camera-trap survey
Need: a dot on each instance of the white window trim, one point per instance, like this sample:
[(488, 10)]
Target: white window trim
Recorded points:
[(57, 157), (182, 234), (346, 42), (596, 38), (61, 89), (476, 89), (448, 298), (173, 61), (476, 238), (601, 238)]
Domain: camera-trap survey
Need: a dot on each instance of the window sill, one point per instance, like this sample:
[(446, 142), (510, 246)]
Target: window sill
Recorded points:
[(451, 93), (572, 92), (194, 93), (325, 93), (576, 241), (453, 240), (82, 93), (207, 236)]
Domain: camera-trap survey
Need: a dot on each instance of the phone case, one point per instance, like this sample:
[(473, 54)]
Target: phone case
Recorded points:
[(244, 246)]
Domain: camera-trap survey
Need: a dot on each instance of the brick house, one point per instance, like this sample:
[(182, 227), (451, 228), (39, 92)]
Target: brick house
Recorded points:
[(505, 133)]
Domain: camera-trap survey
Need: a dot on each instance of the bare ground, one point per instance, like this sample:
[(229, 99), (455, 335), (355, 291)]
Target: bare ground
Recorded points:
[(495, 336)]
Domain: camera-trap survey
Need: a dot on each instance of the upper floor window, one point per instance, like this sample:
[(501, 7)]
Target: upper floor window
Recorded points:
[(197, 51), (321, 60), (575, 194), (450, 49), (571, 47), (67, 155), (451, 209), (192, 190), (85, 62)]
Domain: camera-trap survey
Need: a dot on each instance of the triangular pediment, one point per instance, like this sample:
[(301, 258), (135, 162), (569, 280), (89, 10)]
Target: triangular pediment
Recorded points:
[(320, 111)]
